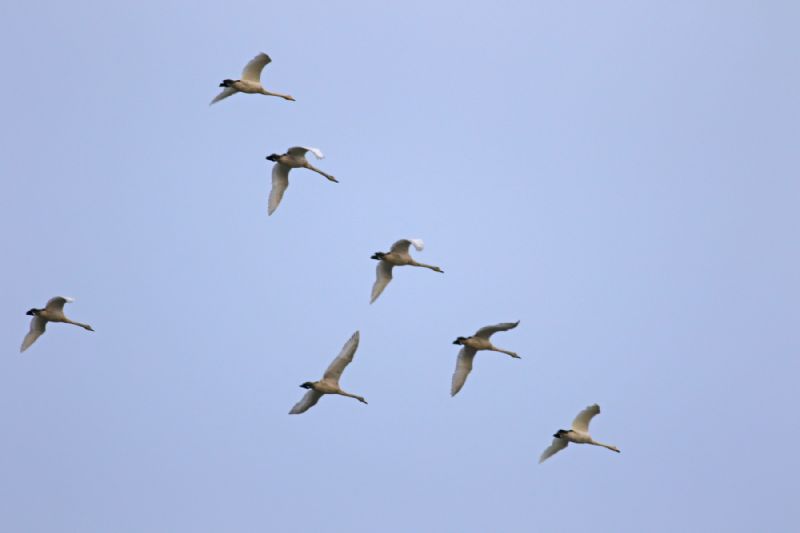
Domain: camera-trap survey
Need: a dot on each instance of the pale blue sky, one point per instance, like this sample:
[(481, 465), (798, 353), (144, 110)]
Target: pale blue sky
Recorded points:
[(622, 177)]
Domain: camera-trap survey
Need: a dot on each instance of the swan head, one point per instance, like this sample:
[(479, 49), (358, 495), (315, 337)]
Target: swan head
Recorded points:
[(307, 385), (459, 340), (378, 255), (273, 157), (560, 433), (32, 312)]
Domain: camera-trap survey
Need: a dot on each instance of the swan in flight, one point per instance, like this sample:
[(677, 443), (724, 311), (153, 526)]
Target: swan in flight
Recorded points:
[(329, 384), (52, 312), (250, 82), (579, 434), (471, 345), (295, 157), (397, 256)]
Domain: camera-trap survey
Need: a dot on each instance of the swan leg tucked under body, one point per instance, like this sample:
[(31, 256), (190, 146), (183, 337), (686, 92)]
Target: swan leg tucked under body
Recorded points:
[(250, 82), (52, 312), (471, 346), (295, 157), (579, 434), (397, 256), (329, 384)]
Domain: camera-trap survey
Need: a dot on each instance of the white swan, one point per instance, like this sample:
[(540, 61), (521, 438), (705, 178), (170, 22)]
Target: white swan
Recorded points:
[(250, 82), (52, 312), (579, 434), (471, 345), (295, 157), (329, 384), (397, 256)]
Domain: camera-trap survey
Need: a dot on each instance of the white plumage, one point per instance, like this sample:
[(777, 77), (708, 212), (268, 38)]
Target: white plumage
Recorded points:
[(250, 82), (397, 256), (329, 384), (295, 157), (579, 434)]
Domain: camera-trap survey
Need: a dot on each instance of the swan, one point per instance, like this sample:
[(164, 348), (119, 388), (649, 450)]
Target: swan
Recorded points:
[(52, 312), (250, 82), (397, 256), (295, 157), (579, 434), (329, 384), (471, 345)]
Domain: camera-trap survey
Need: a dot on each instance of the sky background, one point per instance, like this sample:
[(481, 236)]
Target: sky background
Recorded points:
[(621, 177)]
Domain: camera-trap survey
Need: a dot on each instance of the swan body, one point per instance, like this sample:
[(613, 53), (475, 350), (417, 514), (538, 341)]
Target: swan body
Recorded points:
[(329, 384), (295, 157), (250, 82), (397, 256), (52, 312), (579, 434), (471, 346)]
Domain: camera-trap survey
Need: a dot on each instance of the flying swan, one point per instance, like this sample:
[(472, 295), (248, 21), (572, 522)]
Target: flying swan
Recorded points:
[(295, 157), (329, 384), (471, 345), (52, 312), (397, 256), (250, 82), (579, 434)]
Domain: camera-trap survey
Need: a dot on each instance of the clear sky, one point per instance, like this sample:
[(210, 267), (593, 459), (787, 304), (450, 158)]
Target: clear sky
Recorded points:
[(621, 177)]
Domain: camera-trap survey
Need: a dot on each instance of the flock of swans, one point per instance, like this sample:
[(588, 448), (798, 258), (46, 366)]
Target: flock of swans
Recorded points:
[(398, 255)]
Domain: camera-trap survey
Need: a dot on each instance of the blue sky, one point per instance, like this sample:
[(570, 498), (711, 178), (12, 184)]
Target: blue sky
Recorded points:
[(620, 177)]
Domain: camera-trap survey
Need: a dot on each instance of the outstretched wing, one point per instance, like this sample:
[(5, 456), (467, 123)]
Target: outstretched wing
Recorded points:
[(252, 71), (334, 371), (37, 328), (57, 304), (383, 277), (402, 245), (280, 182), (557, 446), (309, 400), (226, 92), (301, 151), (488, 331), (463, 368), (581, 422)]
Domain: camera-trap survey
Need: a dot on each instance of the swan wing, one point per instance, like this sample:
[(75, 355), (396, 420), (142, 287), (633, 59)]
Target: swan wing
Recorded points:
[(383, 277), (554, 448), (581, 422), (57, 303), (226, 92), (488, 331), (252, 71), (300, 151), (37, 328), (308, 400), (280, 182), (463, 368), (402, 245), (337, 366)]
